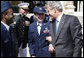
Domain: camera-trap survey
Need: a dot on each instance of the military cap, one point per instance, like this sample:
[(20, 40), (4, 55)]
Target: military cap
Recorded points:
[(39, 10), (23, 5), (5, 5)]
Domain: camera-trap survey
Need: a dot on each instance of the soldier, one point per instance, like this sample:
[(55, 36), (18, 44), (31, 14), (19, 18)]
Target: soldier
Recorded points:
[(8, 47), (38, 30), (22, 29)]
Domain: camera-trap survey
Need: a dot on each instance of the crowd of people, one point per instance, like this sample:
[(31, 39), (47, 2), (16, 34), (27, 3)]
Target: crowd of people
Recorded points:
[(48, 33)]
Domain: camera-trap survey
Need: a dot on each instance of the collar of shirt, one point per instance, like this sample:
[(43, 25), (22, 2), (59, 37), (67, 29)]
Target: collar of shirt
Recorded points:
[(7, 27), (39, 24), (59, 17)]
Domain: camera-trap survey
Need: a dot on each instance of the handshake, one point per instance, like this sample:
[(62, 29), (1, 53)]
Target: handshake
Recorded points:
[(51, 48)]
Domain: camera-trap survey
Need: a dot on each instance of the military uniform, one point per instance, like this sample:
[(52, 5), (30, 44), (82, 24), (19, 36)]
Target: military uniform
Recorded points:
[(22, 30), (8, 47), (38, 45)]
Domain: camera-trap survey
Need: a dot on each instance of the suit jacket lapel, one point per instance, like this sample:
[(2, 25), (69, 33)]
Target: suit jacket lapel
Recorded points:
[(54, 28), (60, 26), (3, 27)]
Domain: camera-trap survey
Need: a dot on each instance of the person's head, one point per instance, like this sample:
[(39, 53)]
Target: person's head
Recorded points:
[(39, 13), (6, 12), (39, 17), (23, 8), (54, 8)]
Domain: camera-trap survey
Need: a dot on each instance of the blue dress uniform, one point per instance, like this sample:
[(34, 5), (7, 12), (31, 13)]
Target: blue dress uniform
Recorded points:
[(7, 43), (38, 45), (8, 48)]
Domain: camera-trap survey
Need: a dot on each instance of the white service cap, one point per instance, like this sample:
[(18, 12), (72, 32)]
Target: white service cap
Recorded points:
[(23, 5)]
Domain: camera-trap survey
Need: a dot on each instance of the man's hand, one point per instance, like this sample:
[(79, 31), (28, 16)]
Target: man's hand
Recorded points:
[(49, 38), (51, 48)]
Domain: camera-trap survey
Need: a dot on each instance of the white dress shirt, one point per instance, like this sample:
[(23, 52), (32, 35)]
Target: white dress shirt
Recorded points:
[(39, 27)]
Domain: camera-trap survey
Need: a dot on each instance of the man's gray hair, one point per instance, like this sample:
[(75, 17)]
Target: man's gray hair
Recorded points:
[(56, 4)]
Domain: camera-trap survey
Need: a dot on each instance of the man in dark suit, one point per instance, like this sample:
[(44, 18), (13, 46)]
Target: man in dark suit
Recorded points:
[(8, 47), (38, 30), (65, 32)]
